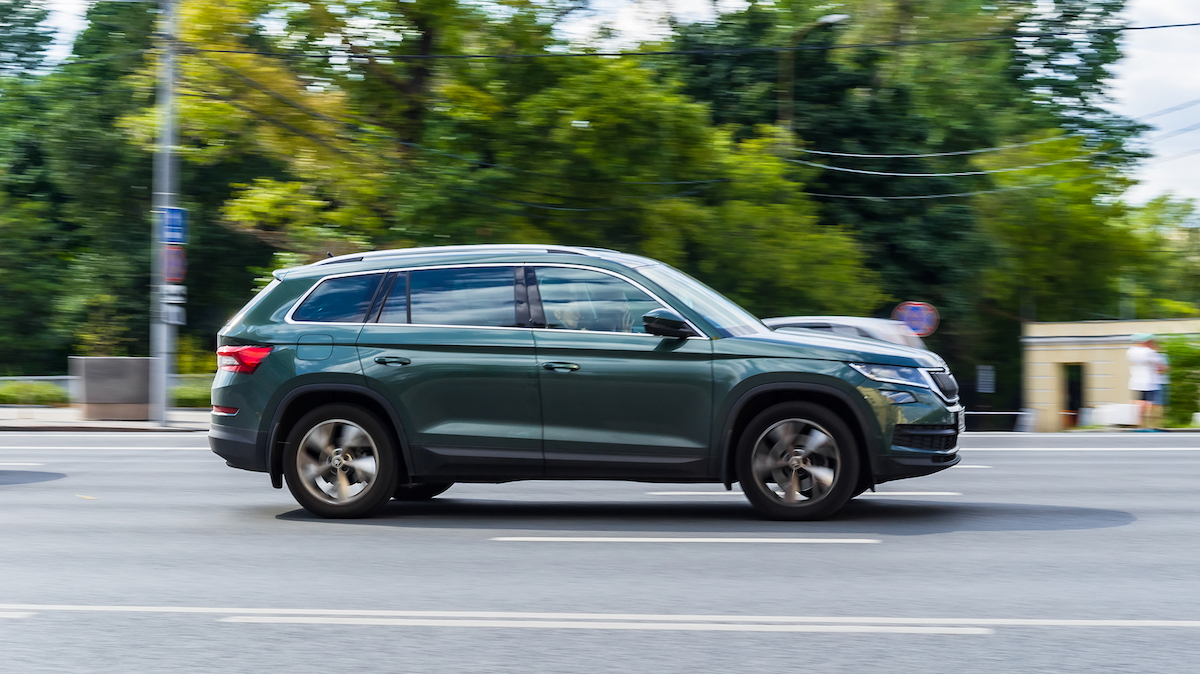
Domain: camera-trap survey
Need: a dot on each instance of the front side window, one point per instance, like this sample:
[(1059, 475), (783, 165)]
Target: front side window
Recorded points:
[(344, 299), (583, 299), (477, 296)]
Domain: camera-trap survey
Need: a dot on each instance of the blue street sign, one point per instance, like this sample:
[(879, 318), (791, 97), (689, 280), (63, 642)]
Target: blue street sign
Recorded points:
[(920, 317), (174, 225), (174, 264)]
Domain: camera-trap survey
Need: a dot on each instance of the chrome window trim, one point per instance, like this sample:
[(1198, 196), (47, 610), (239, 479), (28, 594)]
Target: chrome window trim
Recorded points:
[(699, 333)]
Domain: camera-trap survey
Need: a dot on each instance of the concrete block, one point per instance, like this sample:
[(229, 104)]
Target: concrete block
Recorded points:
[(113, 388)]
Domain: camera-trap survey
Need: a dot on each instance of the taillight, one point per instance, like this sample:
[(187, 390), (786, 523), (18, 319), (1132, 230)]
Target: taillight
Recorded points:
[(224, 411), (244, 359)]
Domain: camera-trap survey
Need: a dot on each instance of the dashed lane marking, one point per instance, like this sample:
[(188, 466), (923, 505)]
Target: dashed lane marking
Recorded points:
[(606, 625), (675, 539)]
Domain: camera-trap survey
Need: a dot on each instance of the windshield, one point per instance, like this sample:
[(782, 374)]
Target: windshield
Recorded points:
[(728, 318)]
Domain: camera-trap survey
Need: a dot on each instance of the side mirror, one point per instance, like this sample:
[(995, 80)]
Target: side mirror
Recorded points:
[(666, 323)]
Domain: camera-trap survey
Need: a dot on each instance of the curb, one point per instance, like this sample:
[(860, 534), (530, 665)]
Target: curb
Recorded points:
[(101, 429)]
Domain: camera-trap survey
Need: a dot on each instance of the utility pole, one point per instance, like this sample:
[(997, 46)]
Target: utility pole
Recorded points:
[(166, 195)]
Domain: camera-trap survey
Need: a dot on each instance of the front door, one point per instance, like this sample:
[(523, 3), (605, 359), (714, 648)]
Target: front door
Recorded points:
[(616, 402), (448, 350)]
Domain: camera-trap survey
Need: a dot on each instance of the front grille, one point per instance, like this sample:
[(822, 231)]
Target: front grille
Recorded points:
[(946, 383), (934, 437)]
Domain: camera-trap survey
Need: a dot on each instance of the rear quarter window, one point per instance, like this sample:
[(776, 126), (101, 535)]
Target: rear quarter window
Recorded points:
[(344, 299)]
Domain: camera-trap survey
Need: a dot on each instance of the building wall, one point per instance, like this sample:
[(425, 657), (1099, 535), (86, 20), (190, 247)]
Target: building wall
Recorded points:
[(1099, 346)]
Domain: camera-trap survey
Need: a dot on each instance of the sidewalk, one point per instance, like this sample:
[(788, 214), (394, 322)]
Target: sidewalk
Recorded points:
[(29, 418)]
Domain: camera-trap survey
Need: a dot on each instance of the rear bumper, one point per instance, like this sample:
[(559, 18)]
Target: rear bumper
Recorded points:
[(904, 462), (240, 447)]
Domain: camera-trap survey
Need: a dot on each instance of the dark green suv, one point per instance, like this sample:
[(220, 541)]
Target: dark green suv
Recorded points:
[(394, 374)]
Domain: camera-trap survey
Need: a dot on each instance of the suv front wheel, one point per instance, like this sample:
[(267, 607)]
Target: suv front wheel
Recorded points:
[(340, 462), (797, 461)]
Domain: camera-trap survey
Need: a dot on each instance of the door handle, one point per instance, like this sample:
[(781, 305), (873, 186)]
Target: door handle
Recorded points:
[(557, 367), (392, 360)]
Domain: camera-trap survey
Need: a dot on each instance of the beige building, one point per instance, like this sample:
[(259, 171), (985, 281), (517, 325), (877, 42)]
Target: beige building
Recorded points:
[(1072, 366)]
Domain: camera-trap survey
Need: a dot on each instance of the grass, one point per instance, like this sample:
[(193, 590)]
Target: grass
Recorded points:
[(33, 393)]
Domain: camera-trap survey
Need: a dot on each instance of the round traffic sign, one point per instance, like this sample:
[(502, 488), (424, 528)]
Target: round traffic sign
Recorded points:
[(920, 317), (174, 264)]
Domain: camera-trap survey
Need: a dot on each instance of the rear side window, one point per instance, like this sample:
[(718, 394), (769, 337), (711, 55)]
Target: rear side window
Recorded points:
[(480, 296), (345, 299)]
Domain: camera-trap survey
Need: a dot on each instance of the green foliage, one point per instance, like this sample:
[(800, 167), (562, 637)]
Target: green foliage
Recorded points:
[(24, 36), (193, 355), (32, 393), (1183, 353), (192, 394), (682, 158)]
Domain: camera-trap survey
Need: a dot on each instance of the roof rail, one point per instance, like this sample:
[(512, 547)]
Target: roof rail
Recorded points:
[(454, 250)]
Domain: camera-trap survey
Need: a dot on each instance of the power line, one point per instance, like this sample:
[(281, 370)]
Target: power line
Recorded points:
[(103, 58), (358, 123), (954, 174), (949, 196), (939, 154), (699, 52), (1167, 111)]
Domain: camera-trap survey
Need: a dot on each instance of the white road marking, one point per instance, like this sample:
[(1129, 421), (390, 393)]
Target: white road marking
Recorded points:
[(1081, 449), (242, 612), (909, 493), (22, 464), (14, 614), (101, 434), (738, 493), (647, 539), (964, 465), (597, 625), (89, 448)]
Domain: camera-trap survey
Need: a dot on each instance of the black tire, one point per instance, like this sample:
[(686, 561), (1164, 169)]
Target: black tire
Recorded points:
[(816, 473), (331, 452), (420, 492)]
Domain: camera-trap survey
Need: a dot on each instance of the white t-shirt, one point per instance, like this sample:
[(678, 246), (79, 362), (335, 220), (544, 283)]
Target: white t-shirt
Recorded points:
[(1161, 378), (1143, 368)]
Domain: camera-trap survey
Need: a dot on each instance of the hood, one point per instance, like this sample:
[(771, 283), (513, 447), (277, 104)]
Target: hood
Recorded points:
[(821, 345)]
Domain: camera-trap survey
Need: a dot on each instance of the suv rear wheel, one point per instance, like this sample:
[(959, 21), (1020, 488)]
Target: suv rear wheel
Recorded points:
[(797, 461), (340, 462)]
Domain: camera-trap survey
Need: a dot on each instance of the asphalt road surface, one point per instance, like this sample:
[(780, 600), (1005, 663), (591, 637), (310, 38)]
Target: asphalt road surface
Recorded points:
[(143, 552)]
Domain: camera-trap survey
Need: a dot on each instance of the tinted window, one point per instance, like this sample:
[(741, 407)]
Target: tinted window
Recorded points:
[(340, 300), (395, 308), (469, 296), (581, 299)]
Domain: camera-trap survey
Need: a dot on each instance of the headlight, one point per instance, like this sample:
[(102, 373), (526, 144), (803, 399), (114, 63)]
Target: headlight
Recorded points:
[(892, 374)]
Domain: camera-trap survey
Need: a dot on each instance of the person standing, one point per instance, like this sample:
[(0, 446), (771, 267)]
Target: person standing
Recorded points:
[(1143, 370)]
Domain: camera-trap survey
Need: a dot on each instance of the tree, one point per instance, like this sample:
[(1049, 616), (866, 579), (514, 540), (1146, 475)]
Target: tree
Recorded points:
[(24, 36)]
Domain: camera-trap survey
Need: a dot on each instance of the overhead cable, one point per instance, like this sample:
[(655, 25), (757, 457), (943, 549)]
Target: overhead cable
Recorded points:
[(98, 59), (939, 154), (949, 196), (699, 52), (954, 174), (1167, 111), (358, 125)]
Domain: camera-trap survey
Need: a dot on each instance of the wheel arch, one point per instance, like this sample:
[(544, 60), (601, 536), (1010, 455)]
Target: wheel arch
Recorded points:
[(302, 399), (760, 397)]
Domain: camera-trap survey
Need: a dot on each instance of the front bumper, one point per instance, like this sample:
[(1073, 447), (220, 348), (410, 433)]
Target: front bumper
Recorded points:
[(904, 462), (240, 447)]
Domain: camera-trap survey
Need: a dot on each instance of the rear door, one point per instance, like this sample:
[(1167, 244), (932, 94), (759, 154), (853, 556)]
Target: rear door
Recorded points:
[(616, 402), (449, 349)]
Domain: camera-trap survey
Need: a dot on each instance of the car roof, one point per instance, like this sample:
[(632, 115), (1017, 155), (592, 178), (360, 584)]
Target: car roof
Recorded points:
[(399, 257)]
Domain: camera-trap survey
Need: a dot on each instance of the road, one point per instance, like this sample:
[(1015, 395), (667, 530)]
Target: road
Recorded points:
[(143, 552)]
